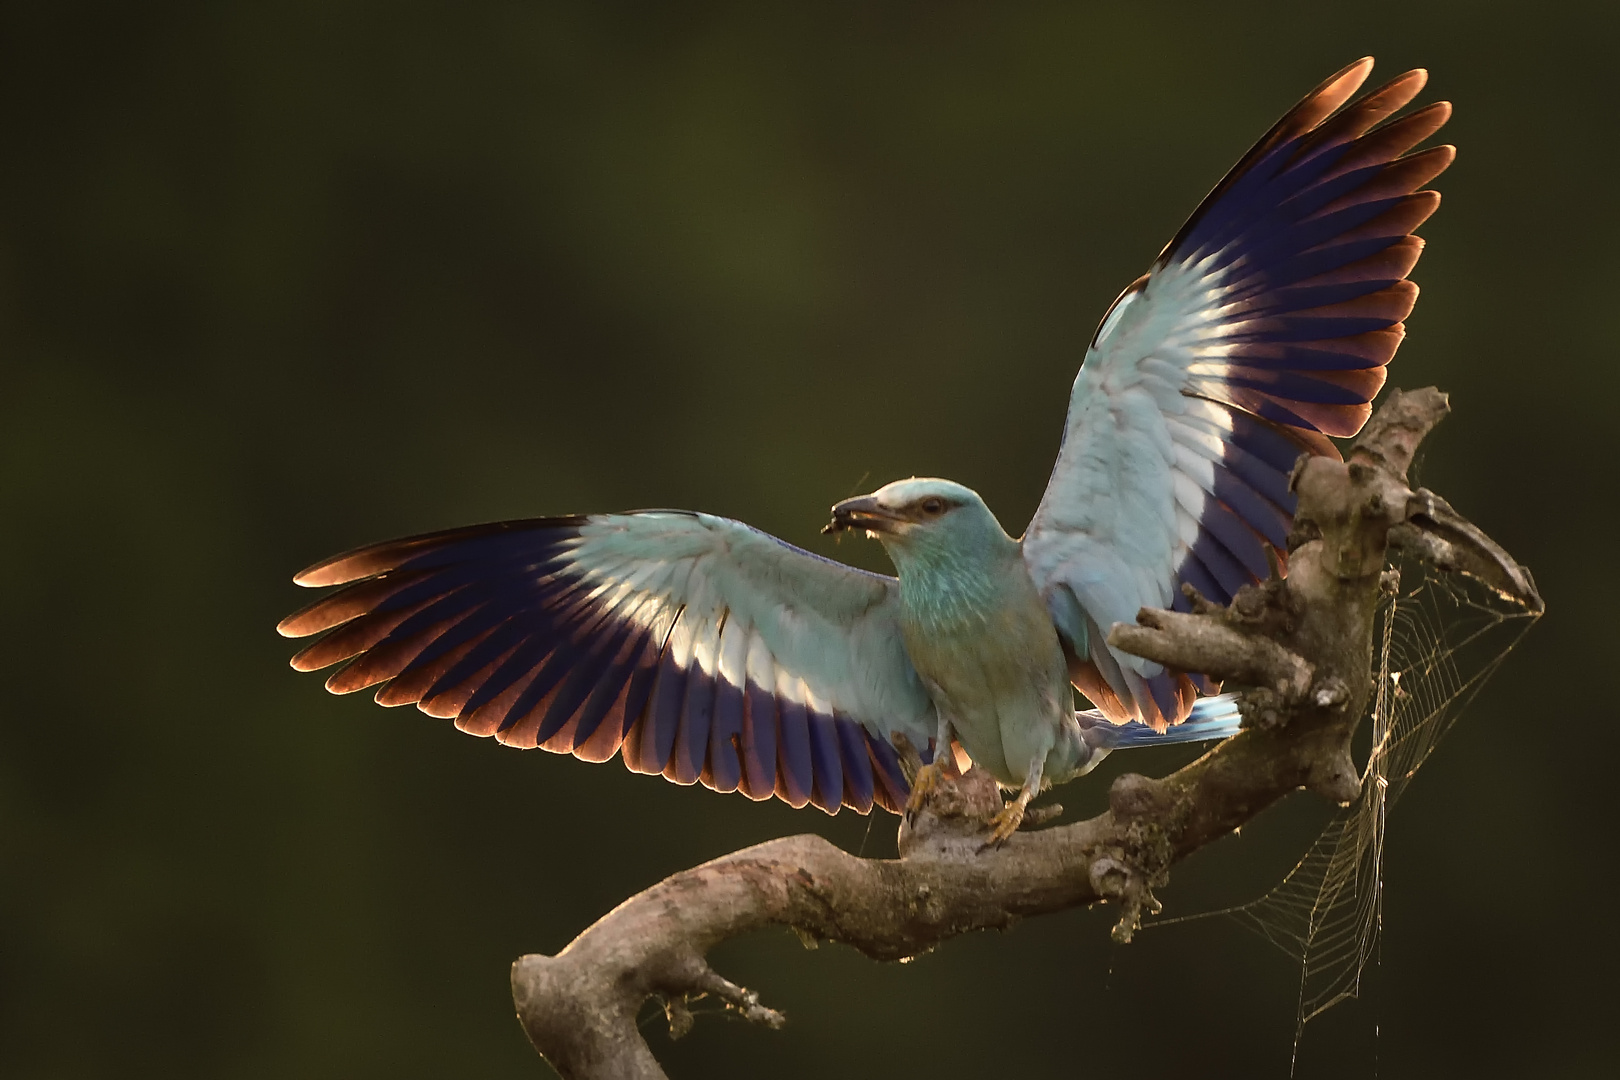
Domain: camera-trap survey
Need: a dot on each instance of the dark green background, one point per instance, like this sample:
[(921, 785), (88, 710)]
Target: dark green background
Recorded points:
[(277, 279)]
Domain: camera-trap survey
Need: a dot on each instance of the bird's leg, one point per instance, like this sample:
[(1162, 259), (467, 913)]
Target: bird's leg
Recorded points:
[(928, 777), (1006, 823)]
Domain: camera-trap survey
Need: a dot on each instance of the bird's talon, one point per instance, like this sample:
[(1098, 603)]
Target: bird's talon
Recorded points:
[(1004, 824), (924, 784)]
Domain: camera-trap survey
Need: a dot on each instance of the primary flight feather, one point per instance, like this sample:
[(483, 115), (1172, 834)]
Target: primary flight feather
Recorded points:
[(705, 650)]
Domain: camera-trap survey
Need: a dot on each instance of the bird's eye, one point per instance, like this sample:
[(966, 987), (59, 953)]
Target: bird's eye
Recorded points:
[(933, 506)]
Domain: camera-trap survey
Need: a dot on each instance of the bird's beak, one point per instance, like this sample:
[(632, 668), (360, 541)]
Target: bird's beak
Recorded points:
[(863, 513)]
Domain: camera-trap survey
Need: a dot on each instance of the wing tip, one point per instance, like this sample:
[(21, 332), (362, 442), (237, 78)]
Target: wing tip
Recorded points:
[(348, 680), (305, 661), (1443, 156), (329, 571), (1339, 87), (1355, 69), (1418, 75)]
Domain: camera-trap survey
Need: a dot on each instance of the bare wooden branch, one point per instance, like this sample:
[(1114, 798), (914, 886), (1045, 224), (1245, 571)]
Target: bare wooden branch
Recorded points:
[(1392, 434), (1208, 645), (1304, 645), (1436, 533)]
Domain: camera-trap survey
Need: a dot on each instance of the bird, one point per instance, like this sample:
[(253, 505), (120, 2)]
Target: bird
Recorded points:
[(705, 650)]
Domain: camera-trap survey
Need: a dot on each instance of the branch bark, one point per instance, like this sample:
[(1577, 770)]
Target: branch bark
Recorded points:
[(1302, 644)]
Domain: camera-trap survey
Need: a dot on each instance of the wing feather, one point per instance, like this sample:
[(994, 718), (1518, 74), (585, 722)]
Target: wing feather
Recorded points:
[(689, 645), (1263, 328)]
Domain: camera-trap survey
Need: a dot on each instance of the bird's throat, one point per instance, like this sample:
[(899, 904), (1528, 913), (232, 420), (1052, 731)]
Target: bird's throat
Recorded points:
[(943, 591)]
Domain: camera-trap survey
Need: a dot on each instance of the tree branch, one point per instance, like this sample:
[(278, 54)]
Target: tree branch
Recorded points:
[(1302, 643)]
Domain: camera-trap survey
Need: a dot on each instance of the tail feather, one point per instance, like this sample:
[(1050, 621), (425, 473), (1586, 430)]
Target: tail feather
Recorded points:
[(1211, 718)]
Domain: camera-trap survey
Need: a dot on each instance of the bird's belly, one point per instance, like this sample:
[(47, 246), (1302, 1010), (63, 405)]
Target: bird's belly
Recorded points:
[(1005, 702)]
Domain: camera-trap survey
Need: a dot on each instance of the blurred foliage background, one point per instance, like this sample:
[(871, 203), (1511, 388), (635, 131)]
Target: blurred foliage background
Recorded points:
[(277, 279)]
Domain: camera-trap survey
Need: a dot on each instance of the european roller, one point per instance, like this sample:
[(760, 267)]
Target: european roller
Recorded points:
[(702, 649)]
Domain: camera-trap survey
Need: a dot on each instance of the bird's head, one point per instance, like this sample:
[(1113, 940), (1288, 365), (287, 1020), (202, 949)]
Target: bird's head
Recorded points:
[(921, 516)]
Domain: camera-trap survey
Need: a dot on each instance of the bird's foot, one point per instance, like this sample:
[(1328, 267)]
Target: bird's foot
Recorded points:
[(1004, 824), (923, 785)]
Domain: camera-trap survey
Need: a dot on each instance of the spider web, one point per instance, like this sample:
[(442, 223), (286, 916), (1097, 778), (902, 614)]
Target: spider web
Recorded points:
[(1439, 642)]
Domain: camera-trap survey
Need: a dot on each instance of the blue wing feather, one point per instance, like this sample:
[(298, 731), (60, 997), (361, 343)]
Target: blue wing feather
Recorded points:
[(725, 737), (795, 777), (859, 790), (826, 762)]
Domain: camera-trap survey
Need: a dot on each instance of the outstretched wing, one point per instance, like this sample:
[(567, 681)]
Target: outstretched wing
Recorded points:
[(693, 646), (1262, 328)]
